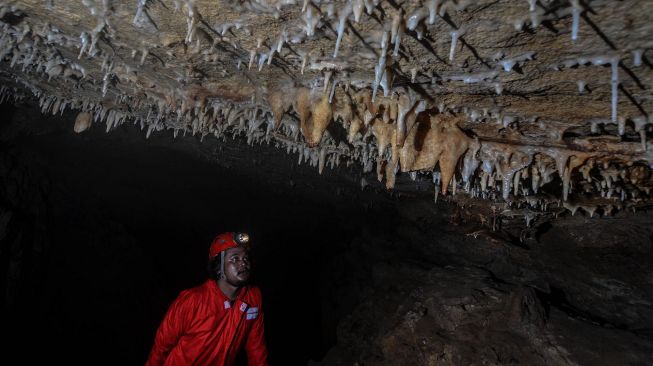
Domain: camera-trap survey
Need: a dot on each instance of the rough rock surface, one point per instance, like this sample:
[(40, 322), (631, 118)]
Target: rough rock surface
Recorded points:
[(580, 294), (523, 102), (464, 316)]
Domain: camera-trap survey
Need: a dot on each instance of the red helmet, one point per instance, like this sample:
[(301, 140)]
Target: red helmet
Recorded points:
[(225, 241)]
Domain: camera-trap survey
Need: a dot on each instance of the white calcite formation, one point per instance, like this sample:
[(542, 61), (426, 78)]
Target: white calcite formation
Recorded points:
[(513, 100)]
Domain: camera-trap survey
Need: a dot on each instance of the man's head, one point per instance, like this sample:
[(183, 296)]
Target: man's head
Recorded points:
[(229, 258)]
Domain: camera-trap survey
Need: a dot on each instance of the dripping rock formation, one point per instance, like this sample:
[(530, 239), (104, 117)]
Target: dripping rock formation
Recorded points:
[(530, 118), (524, 102)]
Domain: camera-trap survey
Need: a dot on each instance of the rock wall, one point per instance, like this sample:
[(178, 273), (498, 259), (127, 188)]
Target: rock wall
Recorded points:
[(439, 291)]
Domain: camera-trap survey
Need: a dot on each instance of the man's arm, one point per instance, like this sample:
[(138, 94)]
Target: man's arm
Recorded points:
[(169, 332), (257, 351)]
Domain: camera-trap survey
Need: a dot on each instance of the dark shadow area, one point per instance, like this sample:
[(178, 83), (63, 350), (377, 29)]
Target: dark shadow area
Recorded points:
[(105, 230)]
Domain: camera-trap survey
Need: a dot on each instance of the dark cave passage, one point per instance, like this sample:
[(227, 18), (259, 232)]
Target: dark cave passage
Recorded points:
[(125, 226), (100, 232)]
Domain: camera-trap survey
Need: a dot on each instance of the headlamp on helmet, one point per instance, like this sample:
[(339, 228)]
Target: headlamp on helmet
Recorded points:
[(241, 238)]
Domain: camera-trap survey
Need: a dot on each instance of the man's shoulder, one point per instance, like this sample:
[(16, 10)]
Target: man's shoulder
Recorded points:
[(254, 294), (198, 290)]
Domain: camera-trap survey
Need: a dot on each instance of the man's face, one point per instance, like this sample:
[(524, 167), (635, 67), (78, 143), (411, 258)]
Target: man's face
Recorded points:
[(236, 266)]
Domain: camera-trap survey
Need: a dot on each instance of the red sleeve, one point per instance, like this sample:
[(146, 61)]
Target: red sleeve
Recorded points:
[(257, 351), (169, 332)]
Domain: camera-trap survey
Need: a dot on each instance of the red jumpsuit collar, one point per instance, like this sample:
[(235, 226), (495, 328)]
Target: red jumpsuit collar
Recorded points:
[(213, 285)]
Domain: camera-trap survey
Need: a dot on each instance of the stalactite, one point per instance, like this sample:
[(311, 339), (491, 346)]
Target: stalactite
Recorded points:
[(477, 133)]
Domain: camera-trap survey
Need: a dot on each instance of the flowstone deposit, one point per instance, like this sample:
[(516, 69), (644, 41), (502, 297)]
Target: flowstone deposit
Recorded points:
[(523, 102)]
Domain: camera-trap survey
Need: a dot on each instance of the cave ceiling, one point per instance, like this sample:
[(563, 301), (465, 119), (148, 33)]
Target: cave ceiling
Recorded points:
[(521, 102)]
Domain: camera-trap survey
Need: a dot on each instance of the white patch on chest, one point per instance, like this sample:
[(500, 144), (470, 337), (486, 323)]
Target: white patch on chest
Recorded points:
[(252, 313)]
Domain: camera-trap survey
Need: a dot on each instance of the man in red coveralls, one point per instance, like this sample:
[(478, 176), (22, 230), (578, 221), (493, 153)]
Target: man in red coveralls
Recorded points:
[(211, 323)]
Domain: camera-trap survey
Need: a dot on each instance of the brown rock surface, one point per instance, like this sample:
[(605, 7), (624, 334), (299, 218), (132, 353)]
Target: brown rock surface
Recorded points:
[(556, 82)]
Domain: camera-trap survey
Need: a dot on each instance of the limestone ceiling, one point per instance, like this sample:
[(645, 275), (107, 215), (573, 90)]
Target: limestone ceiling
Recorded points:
[(520, 101)]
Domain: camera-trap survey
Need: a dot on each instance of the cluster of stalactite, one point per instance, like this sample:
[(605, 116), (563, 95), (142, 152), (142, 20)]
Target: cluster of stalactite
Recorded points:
[(405, 127)]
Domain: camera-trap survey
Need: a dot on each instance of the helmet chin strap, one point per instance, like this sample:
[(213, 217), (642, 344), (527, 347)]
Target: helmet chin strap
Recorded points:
[(221, 265)]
